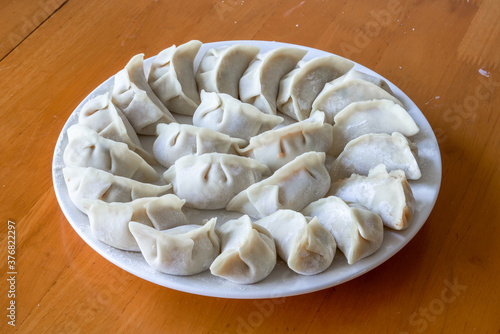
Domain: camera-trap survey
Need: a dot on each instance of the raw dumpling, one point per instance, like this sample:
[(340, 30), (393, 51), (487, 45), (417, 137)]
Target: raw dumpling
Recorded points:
[(260, 83), (278, 147), (221, 69), (87, 149), (210, 181), (306, 246), (339, 93), (92, 183), (183, 250), (102, 116), (300, 87), (133, 96), (387, 194), (248, 253), (357, 231), (355, 74), (375, 116), (223, 113), (177, 140), (293, 186), (172, 78), (367, 151), (109, 221)]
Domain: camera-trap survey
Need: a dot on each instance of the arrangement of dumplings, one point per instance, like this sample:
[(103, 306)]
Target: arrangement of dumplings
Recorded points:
[(312, 155)]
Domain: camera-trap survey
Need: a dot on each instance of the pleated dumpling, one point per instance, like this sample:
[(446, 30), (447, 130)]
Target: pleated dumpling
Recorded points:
[(360, 155), (300, 182), (375, 116), (92, 183), (221, 69), (300, 87), (357, 231), (248, 252), (133, 96), (172, 78), (355, 74), (102, 116), (349, 88), (177, 140), (387, 194), (259, 84), (223, 113), (109, 222), (210, 181), (278, 147), (87, 149), (302, 242), (184, 250)]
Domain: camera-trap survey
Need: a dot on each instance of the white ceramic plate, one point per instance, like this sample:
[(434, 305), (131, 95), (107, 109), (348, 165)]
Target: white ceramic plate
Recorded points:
[(282, 281)]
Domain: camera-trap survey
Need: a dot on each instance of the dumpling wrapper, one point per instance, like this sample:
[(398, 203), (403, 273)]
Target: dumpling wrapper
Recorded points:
[(259, 84), (375, 116), (355, 74), (300, 182), (300, 87), (134, 97), (357, 231), (184, 250), (172, 78), (302, 242), (361, 154), (341, 92), (177, 140), (92, 183), (248, 252), (211, 180), (223, 113), (102, 116), (109, 222), (221, 69), (278, 147), (87, 149), (387, 194)]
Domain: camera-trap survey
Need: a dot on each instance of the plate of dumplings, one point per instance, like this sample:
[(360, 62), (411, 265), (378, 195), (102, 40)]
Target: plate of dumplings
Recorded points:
[(246, 169)]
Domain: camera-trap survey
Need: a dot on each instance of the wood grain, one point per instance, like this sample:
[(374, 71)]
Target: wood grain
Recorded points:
[(484, 31), (20, 19), (444, 55)]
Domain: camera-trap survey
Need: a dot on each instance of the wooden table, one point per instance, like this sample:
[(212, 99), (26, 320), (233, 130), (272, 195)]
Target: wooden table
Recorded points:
[(445, 55)]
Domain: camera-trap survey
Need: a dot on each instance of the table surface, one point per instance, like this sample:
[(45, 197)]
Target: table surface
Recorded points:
[(445, 55)]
